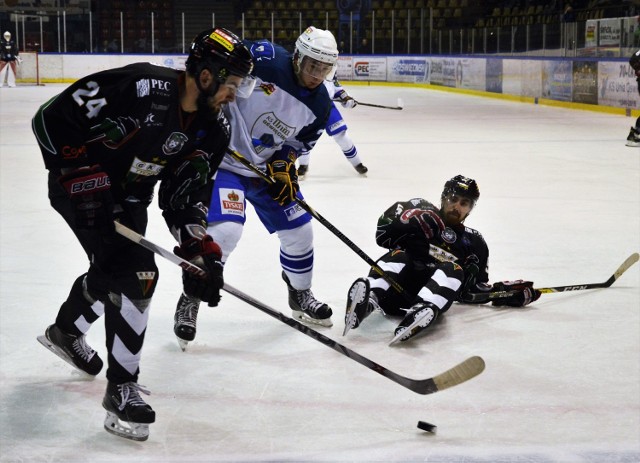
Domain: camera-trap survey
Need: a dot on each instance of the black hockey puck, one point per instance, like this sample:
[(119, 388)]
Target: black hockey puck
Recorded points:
[(427, 426)]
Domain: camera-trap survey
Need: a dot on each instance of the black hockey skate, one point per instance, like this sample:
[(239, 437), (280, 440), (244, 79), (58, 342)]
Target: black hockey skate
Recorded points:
[(306, 307), (185, 319), (72, 349), (128, 415), (302, 170), (633, 139), (418, 318), (360, 304), (361, 168)]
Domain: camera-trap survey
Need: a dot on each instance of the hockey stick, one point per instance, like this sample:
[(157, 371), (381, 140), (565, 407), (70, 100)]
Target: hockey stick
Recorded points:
[(400, 105), (486, 297), (303, 204), (460, 373)]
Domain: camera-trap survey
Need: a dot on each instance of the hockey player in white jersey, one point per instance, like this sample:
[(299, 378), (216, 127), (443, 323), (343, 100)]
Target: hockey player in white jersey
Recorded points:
[(337, 129), (284, 115)]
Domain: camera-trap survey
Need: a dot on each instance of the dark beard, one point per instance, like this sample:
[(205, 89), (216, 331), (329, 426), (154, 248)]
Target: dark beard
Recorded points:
[(209, 113)]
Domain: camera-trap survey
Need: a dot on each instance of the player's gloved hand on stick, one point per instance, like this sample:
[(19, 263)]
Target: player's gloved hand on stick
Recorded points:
[(424, 221), (345, 100), (524, 294), (206, 254), (470, 268), (286, 186), (90, 191)]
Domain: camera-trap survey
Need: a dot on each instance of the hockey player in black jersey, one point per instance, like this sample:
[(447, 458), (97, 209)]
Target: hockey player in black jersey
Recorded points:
[(107, 140), (436, 260)]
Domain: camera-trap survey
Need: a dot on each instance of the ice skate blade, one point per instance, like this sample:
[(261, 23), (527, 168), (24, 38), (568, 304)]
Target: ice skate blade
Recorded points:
[(407, 331), (183, 344), (299, 315), (62, 354), (127, 430), (357, 294)]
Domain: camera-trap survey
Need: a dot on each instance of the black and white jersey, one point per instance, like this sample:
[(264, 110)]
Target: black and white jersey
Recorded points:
[(129, 122), (457, 244)]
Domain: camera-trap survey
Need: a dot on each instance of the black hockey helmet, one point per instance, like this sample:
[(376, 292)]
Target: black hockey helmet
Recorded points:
[(634, 61), (221, 52), (461, 186)]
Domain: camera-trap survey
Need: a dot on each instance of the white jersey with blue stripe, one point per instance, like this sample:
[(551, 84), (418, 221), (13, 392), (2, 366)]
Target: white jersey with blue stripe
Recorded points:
[(279, 111)]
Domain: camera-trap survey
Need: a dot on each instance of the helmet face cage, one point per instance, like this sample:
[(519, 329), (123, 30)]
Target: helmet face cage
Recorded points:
[(7, 36), (221, 52), (462, 186)]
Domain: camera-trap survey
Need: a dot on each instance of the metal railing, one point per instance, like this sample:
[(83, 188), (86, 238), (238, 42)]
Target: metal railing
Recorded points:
[(405, 32)]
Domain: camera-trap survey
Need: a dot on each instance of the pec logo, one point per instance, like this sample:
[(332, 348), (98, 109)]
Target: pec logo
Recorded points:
[(361, 68), (160, 84)]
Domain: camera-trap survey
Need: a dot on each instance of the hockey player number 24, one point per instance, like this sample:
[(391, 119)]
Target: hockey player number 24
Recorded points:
[(93, 105)]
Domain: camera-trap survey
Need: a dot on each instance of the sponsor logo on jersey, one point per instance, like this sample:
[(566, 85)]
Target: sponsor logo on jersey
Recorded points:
[(293, 212), (146, 280), (232, 202), (449, 236), (150, 121), (268, 88), (72, 152), (174, 143), (270, 128), (146, 169), (441, 255), (162, 85), (144, 87)]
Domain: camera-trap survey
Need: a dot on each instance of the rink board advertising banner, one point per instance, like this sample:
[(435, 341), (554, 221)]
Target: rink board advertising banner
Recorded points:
[(608, 81)]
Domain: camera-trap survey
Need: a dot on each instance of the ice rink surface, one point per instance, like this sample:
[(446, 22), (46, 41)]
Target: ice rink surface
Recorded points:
[(559, 205)]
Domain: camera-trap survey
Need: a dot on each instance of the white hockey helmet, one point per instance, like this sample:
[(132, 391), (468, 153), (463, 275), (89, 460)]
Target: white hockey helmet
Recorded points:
[(7, 35), (318, 45)]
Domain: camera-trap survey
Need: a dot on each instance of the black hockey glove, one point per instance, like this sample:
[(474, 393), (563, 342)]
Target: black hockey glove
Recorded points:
[(90, 191), (524, 293), (470, 273), (206, 254), (285, 175), (424, 221)]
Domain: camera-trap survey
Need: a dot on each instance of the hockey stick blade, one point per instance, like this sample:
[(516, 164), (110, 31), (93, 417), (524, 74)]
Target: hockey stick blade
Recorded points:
[(629, 261), (462, 372), (632, 259), (399, 107)]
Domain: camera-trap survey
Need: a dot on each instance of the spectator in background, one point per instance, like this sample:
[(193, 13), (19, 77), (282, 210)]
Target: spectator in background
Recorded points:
[(113, 47), (568, 15), (364, 48)]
